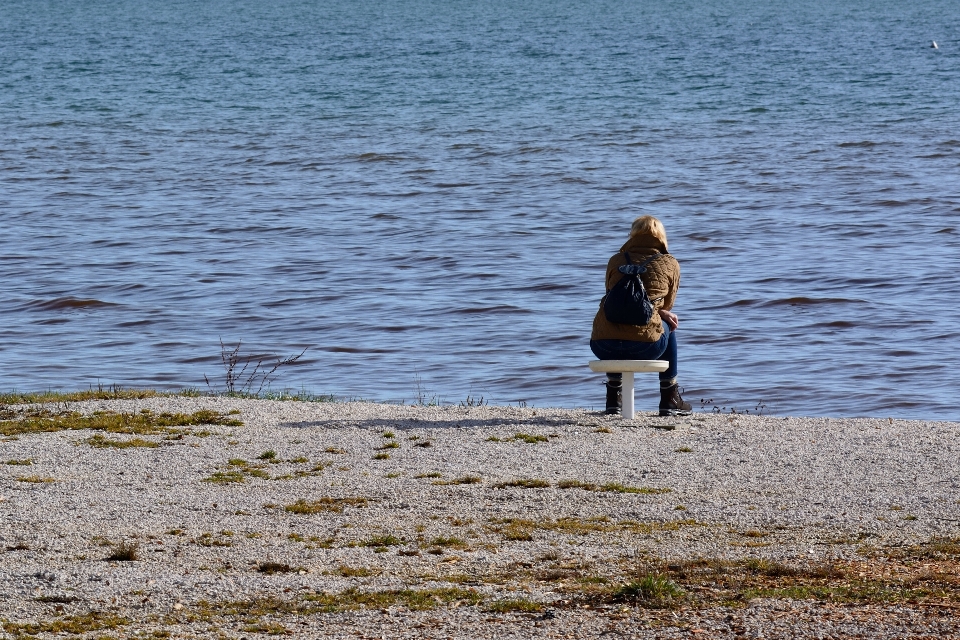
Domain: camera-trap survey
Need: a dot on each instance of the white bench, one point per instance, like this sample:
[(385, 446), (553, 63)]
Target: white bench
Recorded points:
[(628, 368)]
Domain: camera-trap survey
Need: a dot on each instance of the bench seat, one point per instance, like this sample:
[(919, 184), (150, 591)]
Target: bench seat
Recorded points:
[(628, 368)]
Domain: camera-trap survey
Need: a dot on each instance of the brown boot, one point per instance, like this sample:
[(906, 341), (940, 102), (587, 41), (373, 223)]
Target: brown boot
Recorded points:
[(671, 404)]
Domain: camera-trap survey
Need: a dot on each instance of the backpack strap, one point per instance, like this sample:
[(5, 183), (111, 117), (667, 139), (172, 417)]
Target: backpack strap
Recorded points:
[(637, 269)]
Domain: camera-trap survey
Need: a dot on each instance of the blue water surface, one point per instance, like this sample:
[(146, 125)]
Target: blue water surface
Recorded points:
[(424, 195)]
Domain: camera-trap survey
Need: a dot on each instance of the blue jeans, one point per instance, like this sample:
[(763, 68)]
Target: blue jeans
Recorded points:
[(663, 349)]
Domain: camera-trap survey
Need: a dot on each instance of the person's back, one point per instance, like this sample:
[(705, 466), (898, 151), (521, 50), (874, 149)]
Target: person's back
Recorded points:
[(656, 340)]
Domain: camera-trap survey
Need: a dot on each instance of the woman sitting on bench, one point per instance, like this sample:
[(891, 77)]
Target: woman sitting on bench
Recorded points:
[(655, 340)]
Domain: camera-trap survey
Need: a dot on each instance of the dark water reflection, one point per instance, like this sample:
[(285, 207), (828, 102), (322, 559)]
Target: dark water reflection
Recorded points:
[(430, 191)]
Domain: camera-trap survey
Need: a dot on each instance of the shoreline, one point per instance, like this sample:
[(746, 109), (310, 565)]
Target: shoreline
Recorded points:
[(483, 521)]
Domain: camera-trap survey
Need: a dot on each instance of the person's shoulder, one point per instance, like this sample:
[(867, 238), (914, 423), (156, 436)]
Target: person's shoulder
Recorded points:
[(669, 262), (617, 259)]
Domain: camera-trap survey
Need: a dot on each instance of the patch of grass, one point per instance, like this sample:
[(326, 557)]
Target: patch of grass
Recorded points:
[(335, 450), (684, 450), (22, 463), (493, 439), (393, 475), (271, 568), (208, 539), (452, 543), (331, 505), (101, 442), (251, 611), (389, 434), (381, 456), (518, 531), (938, 548), (521, 529), (653, 591), (432, 474), (36, 479), (143, 423), (357, 572), (423, 443), (393, 444), (529, 438), (84, 623), (268, 628), (113, 392), (269, 454), (754, 533), (614, 487), (238, 470), (519, 605), (385, 540), (769, 568), (124, 552), (462, 480), (225, 477), (523, 483), (602, 430), (417, 600)]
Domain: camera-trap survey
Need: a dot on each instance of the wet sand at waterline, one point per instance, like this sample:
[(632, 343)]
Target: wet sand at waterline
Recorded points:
[(331, 520)]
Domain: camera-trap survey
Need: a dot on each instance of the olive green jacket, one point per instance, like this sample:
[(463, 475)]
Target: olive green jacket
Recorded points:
[(661, 280)]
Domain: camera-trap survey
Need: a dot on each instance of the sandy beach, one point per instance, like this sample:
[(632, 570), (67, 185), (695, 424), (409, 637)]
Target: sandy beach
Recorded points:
[(257, 518)]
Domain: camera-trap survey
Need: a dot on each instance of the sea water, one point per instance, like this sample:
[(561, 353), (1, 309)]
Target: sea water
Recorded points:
[(424, 194)]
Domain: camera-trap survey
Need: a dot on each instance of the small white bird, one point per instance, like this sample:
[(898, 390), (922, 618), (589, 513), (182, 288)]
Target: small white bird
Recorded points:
[(933, 45)]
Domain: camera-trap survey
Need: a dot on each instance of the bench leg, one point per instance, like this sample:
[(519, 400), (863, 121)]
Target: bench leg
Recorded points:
[(627, 394)]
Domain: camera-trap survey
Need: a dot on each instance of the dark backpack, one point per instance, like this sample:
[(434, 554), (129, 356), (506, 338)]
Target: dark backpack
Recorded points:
[(627, 301)]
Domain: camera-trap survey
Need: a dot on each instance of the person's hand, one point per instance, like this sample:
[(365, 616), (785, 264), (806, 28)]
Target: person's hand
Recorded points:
[(670, 318)]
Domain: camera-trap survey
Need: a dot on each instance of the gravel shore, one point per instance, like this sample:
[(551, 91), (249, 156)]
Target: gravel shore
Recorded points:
[(330, 520)]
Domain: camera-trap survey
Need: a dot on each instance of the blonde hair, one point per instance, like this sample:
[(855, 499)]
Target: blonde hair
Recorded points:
[(650, 226)]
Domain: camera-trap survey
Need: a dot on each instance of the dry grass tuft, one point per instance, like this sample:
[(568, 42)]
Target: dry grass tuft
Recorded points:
[(124, 552), (462, 480), (35, 479), (271, 568), (143, 423), (523, 483), (330, 505), (100, 442), (614, 487), (518, 605), (69, 625)]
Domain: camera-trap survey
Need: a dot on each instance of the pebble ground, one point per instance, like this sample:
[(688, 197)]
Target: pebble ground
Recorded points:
[(480, 522)]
